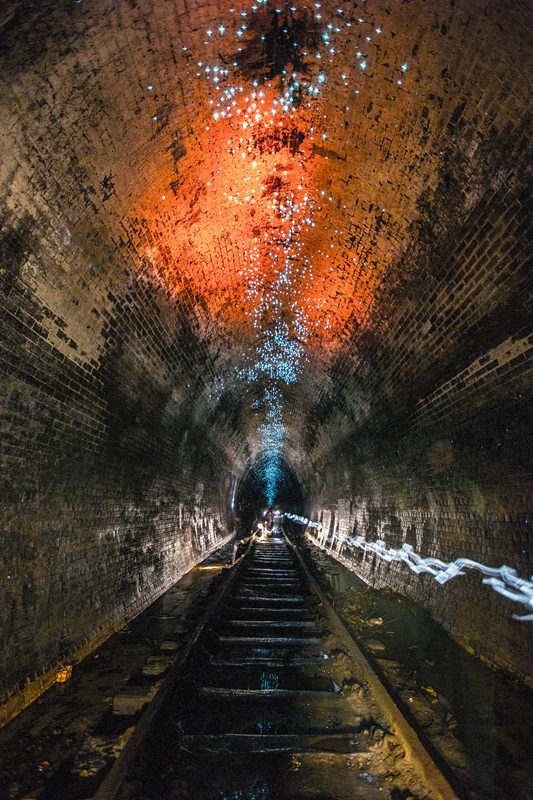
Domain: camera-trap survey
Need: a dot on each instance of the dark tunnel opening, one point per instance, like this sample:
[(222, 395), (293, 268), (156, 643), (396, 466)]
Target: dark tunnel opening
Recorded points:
[(268, 481)]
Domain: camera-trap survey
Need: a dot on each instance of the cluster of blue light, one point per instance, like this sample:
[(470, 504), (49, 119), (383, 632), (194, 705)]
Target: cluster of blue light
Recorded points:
[(503, 580), (269, 471), (294, 83), (279, 356)]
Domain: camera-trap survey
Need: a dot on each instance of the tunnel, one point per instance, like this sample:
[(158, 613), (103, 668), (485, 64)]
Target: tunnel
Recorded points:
[(268, 482), (260, 253)]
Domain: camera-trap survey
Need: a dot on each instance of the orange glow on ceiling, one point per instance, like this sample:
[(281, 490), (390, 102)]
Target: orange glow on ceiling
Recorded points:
[(247, 232)]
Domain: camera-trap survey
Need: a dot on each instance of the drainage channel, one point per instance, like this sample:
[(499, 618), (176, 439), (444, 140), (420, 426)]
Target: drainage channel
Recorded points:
[(273, 700)]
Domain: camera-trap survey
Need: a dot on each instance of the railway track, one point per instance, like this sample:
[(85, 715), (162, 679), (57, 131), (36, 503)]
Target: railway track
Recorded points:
[(273, 699)]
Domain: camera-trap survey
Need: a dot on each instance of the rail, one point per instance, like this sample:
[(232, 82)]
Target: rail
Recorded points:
[(260, 675)]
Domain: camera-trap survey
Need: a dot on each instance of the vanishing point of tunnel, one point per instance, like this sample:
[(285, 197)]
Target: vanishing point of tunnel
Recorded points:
[(256, 253)]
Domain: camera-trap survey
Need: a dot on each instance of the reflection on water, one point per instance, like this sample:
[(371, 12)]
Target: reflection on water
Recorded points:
[(480, 720), (253, 792), (269, 680)]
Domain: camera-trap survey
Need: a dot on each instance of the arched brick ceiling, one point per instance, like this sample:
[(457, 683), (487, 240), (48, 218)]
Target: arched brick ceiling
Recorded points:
[(302, 180)]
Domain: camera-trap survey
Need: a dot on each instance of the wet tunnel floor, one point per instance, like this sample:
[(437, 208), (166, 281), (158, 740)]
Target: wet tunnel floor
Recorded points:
[(478, 719), (271, 705), (60, 744)]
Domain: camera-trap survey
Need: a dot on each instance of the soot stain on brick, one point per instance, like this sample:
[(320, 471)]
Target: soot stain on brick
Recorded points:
[(15, 245), (162, 118), (327, 152), (277, 38), (177, 150), (290, 138), (439, 224), (107, 187), (273, 184), (142, 417), (134, 401)]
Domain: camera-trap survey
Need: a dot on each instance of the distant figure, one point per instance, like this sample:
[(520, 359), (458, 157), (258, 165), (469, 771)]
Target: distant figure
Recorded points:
[(277, 521)]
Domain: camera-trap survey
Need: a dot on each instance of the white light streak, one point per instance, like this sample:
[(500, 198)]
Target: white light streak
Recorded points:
[(503, 580)]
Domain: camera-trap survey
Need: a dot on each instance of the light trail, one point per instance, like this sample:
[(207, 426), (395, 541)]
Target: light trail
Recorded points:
[(503, 580)]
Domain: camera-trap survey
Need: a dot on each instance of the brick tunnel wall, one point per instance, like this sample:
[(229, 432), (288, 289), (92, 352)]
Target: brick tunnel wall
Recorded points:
[(435, 493), (115, 479), (110, 488), (423, 435), (443, 463), (134, 387)]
